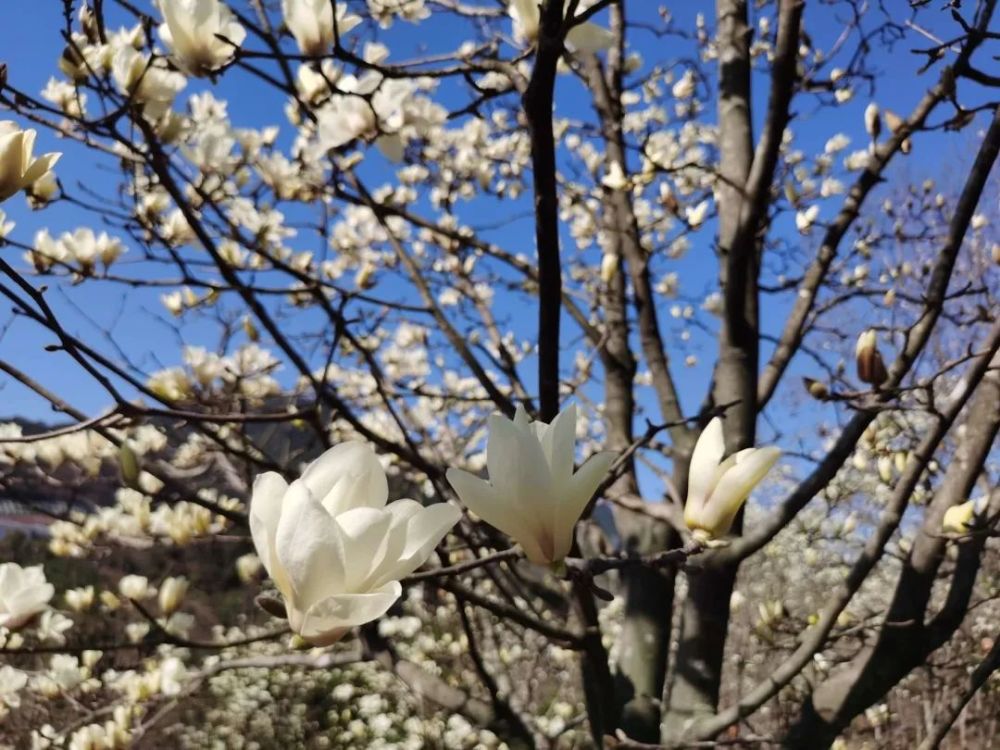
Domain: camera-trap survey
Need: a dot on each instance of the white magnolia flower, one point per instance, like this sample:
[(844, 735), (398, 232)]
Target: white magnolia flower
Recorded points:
[(202, 34), (18, 170), (685, 86), (86, 248), (135, 587), (333, 547), (805, 218), (311, 23), (51, 626), (12, 681), (532, 494), (172, 676), (351, 115), (695, 215), (585, 37), (718, 488), (151, 86), (24, 593)]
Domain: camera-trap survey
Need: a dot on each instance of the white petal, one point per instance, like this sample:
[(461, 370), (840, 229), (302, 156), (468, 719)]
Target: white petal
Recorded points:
[(365, 533), (735, 486), (391, 147), (265, 510), (343, 611), (347, 476), (484, 500), (424, 532), (559, 442), (517, 465), (589, 37), (704, 470), (309, 548), (575, 497)]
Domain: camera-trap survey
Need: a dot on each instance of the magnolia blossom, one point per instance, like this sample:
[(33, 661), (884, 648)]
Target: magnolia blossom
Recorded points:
[(585, 37), (18, 170), (151, 86), (805, 218), (370, 108), (717, 488), (333, 547), (202, 34), (532, 494), (24, 593), (311, 23), (86, 248)]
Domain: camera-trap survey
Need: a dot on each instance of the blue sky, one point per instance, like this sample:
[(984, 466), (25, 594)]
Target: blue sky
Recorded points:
[(30, 44)]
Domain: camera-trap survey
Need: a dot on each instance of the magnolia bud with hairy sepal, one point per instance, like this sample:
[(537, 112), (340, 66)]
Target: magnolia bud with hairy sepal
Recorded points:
[(958, 518), (718, 488), (533, 494), (817, 389), (172, 592), (871, 367)]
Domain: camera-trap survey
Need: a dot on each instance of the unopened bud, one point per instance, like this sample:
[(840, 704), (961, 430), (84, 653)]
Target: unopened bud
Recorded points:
[(128, 462), (957, 518), (873, 122), (172, 593), (871, 367), (609, 267), (885, 469), (817, 389), (248, 567), (250, 329)]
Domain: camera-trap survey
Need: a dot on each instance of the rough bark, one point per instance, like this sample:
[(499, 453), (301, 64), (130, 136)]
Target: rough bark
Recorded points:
[(697, 674), (648, 593)]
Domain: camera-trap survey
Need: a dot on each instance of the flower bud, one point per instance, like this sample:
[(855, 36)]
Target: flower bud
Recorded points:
[(885, 468), (958, 518), (248, 567), (817, 389), (128, 462), (172, 593), (717, 487), (134, 587), (871, 367), (609, 267)]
